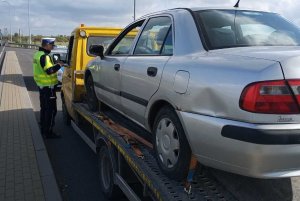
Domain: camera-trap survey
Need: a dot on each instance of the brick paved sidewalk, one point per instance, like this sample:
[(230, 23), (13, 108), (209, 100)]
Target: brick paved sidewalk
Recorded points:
[(25, 169)]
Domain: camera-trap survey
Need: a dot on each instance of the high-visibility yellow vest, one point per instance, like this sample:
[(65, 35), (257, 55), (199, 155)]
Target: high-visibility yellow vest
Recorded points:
[(40, 76)]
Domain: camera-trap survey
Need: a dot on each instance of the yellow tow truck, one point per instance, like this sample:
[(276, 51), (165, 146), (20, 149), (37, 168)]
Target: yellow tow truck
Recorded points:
[(125, 157)]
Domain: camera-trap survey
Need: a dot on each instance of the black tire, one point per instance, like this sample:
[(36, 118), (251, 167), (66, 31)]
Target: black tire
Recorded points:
[(107, 166), (92, 100), (65, 113), (168, 134)]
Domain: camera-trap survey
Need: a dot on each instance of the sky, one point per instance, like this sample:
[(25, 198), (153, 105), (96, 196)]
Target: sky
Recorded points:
[(60, 17)]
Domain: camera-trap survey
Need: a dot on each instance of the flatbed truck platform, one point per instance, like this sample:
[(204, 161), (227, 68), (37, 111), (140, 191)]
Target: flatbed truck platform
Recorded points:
[(123, 165)]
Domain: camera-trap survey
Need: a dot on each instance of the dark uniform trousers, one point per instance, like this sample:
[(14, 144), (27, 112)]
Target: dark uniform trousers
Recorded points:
[(48, 109)]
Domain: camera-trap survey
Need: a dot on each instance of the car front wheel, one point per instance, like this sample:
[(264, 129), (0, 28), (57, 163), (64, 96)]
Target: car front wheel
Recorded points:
[(171, 147)]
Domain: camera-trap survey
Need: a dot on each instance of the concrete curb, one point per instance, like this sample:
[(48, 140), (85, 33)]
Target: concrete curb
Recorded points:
[(50, 187), (48, 179)]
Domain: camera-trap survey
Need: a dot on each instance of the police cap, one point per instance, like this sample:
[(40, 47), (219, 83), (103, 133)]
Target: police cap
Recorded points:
[(46, 41)]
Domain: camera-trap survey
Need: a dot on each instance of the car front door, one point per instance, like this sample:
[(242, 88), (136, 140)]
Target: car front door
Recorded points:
[(142, 71), (108, 79)]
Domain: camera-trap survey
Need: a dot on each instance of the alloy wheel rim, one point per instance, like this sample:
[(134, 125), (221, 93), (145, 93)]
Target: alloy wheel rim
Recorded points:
[(167, 142)]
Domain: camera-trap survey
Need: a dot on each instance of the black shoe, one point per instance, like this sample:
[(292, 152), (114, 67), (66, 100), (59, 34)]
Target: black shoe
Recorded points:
[(53, 135)]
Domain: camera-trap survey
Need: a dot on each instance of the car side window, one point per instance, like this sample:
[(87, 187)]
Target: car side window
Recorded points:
[(168, 44), (153, 37), (124, 41)]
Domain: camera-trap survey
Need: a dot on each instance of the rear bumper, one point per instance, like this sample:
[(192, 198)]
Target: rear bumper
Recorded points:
[(262, 136), (262, 151)]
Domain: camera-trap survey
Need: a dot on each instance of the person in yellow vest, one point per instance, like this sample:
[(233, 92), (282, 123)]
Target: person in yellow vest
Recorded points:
[(45, 76)]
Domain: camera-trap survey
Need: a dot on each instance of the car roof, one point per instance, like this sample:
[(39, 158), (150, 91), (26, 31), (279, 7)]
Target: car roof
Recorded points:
[(201, 8), (224, 8)]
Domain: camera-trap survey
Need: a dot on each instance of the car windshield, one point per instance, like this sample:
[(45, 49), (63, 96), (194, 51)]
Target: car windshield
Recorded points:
[(236, 28), (63, 56), (62, 51)]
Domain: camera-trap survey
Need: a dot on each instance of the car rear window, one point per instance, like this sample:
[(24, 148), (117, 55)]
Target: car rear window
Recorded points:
[(236, 28)]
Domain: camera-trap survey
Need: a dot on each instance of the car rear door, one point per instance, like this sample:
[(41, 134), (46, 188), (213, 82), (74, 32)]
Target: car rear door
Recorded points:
[(141, 72)]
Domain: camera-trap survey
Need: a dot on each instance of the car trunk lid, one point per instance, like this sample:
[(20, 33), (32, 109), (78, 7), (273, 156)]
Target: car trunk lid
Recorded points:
[(287, 56)]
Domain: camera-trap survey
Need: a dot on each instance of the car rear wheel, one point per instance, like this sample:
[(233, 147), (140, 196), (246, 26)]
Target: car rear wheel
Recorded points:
[(171, 147), (91, 96)]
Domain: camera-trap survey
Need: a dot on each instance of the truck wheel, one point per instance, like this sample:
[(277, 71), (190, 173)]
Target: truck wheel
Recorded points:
[(91, 96), (171, 147), (65, 113), (107, 168)]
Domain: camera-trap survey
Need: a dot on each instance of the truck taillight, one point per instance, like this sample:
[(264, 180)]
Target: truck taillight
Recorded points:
[(272, 97)]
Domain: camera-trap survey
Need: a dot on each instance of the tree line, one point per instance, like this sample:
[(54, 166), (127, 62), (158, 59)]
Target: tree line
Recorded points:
[(36, 39)]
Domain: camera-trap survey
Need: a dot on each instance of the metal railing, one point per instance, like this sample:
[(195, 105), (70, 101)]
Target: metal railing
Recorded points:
[(22, 45)]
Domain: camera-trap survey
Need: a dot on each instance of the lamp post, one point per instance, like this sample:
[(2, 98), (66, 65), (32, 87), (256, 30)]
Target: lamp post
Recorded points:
[(29, 23), (9, 18), (133, 10)]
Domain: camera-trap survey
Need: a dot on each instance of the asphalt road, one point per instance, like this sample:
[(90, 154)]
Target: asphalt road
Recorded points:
[(76, 169)]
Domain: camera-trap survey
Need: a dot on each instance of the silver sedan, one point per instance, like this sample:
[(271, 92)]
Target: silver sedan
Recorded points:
[(220, 84)]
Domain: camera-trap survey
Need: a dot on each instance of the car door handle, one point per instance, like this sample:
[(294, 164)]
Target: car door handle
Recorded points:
[(117, 67), (152, 71)]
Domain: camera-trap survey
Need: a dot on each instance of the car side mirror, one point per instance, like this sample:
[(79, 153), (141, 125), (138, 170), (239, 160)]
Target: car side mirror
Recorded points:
[(97, 50), (56, 58)]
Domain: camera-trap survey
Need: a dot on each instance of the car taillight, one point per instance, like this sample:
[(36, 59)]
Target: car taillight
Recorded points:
[(272, 97), (295, 86)]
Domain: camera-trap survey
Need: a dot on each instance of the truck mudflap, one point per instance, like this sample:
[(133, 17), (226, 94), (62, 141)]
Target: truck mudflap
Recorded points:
[(203, 185)]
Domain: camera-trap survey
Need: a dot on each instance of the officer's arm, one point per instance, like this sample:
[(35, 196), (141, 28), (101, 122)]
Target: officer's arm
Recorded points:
[(47, 65)]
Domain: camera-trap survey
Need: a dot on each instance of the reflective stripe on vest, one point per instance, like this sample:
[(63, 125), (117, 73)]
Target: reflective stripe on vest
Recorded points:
[(40, 76)]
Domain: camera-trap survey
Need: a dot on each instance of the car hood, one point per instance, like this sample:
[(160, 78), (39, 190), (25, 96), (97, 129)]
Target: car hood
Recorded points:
[(288, 57)]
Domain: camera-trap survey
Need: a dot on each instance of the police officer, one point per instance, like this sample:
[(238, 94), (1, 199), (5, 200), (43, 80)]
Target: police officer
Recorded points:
[(45, 76)]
